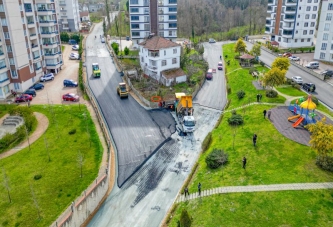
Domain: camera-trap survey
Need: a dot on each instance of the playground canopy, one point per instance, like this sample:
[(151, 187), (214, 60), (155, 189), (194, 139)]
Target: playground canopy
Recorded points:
[(308, 104)]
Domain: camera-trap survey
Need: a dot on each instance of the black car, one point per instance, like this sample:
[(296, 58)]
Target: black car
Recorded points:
[(327, 73), (31, 92), (310, 87), (70, 83), (128, 38), (37, 86)]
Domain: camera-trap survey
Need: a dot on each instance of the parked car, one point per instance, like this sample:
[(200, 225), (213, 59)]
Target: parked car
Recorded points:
[(70, 97), (74, 56), (128, 38), (47, 77), (287, 54), (220, 66), (70, 83), (31, 92), (212, 40), (23, 98), (310, 87), (72, 42), (209, 74), (75, 47), (312, 65), (103, 40), (327, 73), (294, 58), (37, 86), (297, 79)]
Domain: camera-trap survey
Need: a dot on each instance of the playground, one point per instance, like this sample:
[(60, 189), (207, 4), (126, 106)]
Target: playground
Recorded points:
[(290, 120)]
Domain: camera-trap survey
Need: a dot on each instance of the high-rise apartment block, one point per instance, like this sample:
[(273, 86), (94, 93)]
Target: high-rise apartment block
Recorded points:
[(292, 23), (324, 42), (29, 43), (68, 15), (153, 16)]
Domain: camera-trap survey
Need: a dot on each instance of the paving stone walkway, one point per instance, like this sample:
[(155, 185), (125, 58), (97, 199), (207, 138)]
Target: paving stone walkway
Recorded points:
[(256, 188)]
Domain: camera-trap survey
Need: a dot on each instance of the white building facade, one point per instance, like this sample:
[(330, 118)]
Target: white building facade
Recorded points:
[(68, 15), (158, 54), (324, 42), (153, 16), (30, 43), (292, 23)]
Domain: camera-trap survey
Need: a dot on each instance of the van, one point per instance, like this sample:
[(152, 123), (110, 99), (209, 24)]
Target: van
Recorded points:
[(313, 65), (209, 74)]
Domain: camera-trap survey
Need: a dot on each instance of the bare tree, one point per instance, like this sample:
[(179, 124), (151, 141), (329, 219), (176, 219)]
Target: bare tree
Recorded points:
[(6, 184), (47, 148), (80, 161), (35, 201), (27, 134), (234, 133), (87, 128)]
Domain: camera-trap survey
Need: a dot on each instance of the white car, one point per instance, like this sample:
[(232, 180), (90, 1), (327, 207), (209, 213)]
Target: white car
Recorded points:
[(294, 58), (297, 79), (75, 47), (74, 56), (103, 40), (47, 77), (212, 40)]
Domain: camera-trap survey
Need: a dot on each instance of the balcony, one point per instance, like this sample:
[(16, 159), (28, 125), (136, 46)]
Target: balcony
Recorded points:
[(271, 2), (64, 22), (48, 34), (27, 10), (53, 65), (3, 66), (44, 11), (152, 67), (289, 10), (63, 16), (50, 44), (154, 54), (2, 53), (51, 54), (160, 12), (291, 2), (63, 10), (36, 57), (3, 81), (33, 36), (287, 27), (289, 19), (62, 3), (47, 22), (34, 47)]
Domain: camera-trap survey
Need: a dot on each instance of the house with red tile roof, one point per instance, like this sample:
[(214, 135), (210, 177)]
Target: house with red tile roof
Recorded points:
[(160, 60)]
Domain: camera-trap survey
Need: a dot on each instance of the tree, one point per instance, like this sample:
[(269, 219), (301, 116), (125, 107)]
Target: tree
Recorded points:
[(240, 46), (80, 162), (126, 51), (274, 77), (64, 37), (6, 184), (127, 6), (34, 198), (256, 50), (281, 63), (216, 158), (76, 37), (321, 137), (185, 219)]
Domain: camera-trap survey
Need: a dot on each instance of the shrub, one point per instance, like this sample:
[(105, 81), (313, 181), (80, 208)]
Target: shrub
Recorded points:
[(228, 62), (216, 158), (271, 94), (240, 94), (237, 57), (235, 119), (205, 144), (126, 51), (226, 56), (289, 81), (262, 64), (229, 89), (185, 219), (297, 86), (37, 177), (325, 162), (72, 132)]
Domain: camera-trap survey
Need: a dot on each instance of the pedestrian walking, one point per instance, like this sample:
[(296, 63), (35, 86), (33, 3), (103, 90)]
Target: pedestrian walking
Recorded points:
[(264, 113), (186, 192), (220, 57), (199, 189), (254, 139), (269, 114), (28, 102), (258, 96), (244, 162)]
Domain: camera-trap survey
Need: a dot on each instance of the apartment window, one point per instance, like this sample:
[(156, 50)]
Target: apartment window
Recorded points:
[(3, 77), (146, 10), (312, 24), (311, 32), (161, 34), (2, 64), (299, 8), (16, 86), (331, 56), (146, 19), (315, 1), (142, 59), (134, 17), (165, 52), (173, 9), (325, 36), (298, 16), (170, 33), (315, 8), (329, 17), (302, 40), (172, 17), (322, 55), (309, 1), (147, 27), (1, 8), (330, 7), (331, 46), (160, 18), (308, 8), (6, 34), (307, 16), (305, 32), (172, 1), (327, 27), (175, 51), (9, 48), (309, 40), (306, 24), (135, 26), (135, 33), (11, 61), (3, 21), (172, 25), (297, 32), (174, 61), (164, 62), (295, 40), (313, 16), (134, 10), (134, 2), (297, 24), (323, 46), (14, 73)]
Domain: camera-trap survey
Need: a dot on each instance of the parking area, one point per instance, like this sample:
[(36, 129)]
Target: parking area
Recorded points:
[(53, 90)]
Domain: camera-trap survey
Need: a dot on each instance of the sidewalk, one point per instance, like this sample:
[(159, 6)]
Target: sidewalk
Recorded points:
[(257, 188)]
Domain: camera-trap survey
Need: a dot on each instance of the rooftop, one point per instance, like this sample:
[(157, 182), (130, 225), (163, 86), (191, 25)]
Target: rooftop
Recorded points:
[(157, 43), (173, 73)]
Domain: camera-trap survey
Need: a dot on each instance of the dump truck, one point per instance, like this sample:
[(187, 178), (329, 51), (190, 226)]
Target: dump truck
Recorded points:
[(122, 90), (96, 70), (184, 111)]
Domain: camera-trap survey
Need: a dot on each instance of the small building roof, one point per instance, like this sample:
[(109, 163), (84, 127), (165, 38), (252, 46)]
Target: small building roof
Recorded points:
[(84, 14), (173, 73), (157, 43), (246, 56)]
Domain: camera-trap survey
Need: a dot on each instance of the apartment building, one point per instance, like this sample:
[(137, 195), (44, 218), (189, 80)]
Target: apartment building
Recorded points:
[(292, 23), (29, 43), (68, 15), (324, 42), (153, 16)]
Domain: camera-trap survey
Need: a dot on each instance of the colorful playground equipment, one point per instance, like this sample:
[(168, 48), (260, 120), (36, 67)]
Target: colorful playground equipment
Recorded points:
[(304, 113)]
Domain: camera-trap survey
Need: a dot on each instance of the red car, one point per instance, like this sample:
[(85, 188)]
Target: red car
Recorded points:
[(220, 66), (287, 54), (23, 98), (70, 97)]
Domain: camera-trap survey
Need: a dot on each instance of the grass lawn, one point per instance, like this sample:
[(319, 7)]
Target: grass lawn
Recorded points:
[(284, 208), (240, 79), (60, 183), (289, 90)]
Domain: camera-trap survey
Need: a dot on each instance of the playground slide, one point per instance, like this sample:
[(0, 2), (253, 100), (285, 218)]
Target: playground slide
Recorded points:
[(293, 117), (298, 122)]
